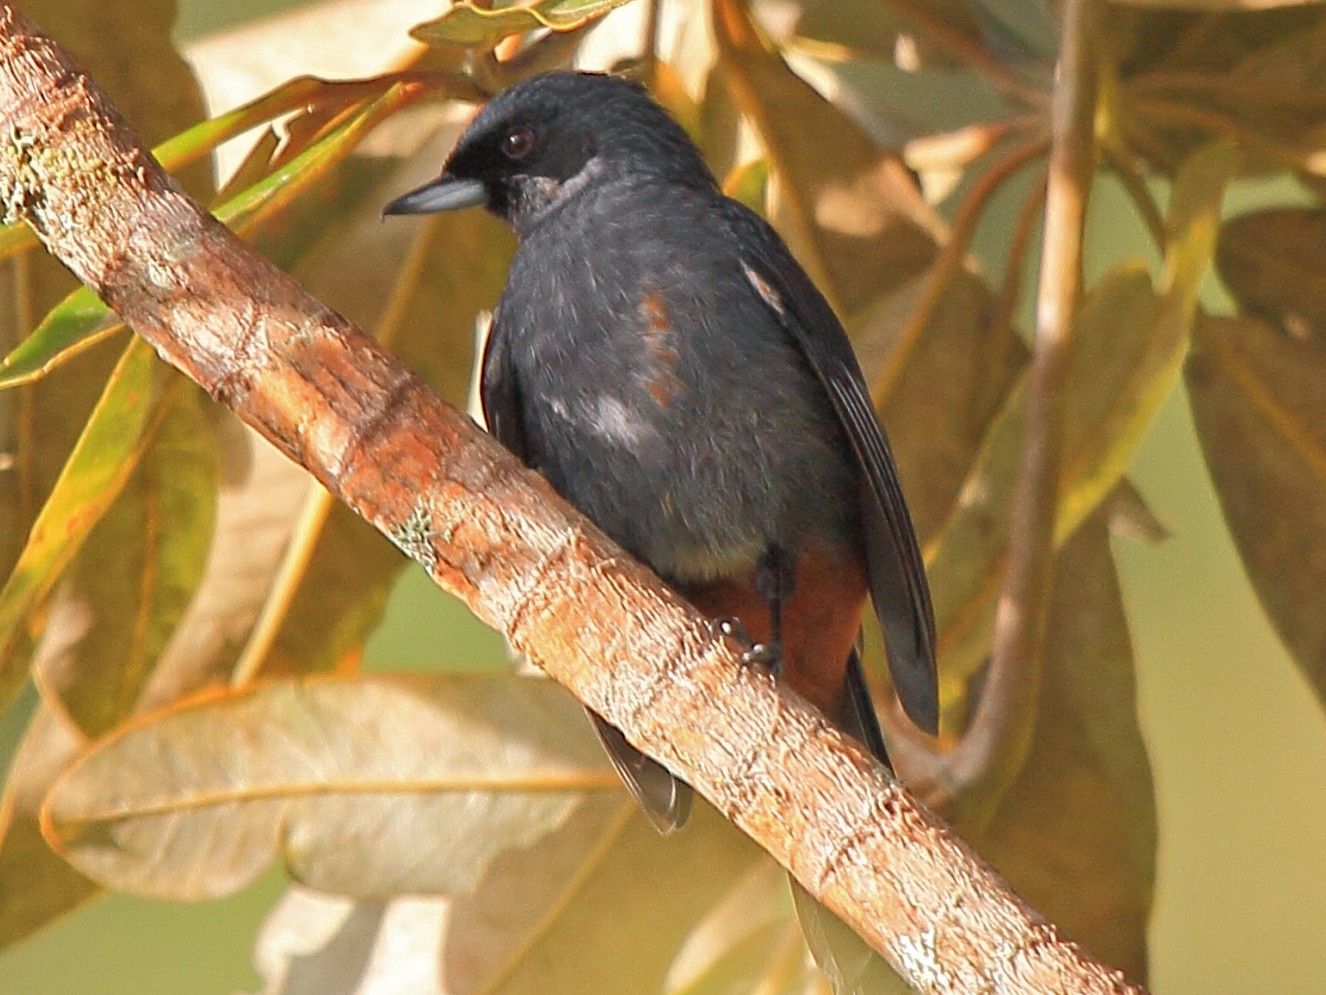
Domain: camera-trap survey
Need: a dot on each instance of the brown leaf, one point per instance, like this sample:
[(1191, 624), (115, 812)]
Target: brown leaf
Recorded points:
[(35, 884), (949, 388), (366, 787), (1260, 409), (1271, 262), (1076, 834), (315, 944), (855, 218), (605, 914)]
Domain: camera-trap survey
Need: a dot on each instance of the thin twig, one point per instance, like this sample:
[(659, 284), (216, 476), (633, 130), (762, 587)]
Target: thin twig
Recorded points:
[(993, 749)]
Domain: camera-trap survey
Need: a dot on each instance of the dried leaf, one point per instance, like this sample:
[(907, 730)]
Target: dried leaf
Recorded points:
[(1260, 409), (606, 913), (1271, 262), (313, 944), (364, 787), (464, 23), (1076, 834), (856, 218)]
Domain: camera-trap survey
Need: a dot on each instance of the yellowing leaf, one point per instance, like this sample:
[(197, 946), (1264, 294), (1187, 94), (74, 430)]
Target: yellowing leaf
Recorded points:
[(1260, 409), (106, 453), (364, 787), (467, 24), (1130, 346), (1076, 833)]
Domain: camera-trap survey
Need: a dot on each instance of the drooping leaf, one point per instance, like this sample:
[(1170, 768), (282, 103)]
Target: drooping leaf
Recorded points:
[(115, 436), (368, 787), (465, 23), (1260, 411), (1271, 262), (124, 594), (81, 319), (36, 886), (606, 910), (1129, 349), (855, 219), (1076, 833), (316, 944)]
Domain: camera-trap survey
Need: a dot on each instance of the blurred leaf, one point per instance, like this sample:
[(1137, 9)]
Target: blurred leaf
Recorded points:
[(36, 886), (1129, 347), (112, 442), (467, 24), (365, 787), (749, 941), (1271, 262), (80, 320), (855, 219), (948, 390), (314, 944), (133, 577), (749, 184), (260, 501), (1076, 834), (1218, 6), (655, 887), (1260, 408), (1145, 377)]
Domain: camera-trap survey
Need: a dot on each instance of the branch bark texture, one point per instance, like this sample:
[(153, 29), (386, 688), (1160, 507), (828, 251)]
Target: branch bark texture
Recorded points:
[(497, 536)]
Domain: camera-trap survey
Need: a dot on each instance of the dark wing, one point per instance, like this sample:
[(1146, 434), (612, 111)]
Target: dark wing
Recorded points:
[(665, 799), (499, 393), (897, 575)]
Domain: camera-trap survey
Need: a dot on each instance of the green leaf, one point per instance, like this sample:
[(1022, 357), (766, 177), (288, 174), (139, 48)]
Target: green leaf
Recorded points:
[(36, 886), (1260, 411), (364, 787), (126, 590), (79, 321), (467, 24), (104, 456)]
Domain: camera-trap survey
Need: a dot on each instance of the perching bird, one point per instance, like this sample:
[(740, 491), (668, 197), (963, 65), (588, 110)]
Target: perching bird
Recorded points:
[(662, 359)]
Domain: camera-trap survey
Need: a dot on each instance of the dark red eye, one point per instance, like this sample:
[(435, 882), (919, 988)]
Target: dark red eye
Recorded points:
[(517, 142)]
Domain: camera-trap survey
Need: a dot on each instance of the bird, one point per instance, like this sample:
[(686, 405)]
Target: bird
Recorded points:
[(659, 355)]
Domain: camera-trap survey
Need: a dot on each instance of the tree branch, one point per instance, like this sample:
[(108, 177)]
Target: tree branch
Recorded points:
[(496, 535)]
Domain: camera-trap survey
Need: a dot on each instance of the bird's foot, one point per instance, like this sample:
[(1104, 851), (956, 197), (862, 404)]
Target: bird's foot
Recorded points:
[(767, 655)]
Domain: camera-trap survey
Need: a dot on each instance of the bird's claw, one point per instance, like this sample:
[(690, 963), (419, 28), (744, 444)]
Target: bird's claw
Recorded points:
[(767, 655)]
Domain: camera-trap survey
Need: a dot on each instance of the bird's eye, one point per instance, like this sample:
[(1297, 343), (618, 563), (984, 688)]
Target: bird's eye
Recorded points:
[(517, 142)]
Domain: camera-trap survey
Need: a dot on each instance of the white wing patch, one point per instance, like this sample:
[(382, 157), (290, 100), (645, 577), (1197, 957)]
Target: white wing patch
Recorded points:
[(764, 288)]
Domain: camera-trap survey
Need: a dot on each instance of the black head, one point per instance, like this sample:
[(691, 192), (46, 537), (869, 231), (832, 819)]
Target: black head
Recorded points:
[(539, 143)]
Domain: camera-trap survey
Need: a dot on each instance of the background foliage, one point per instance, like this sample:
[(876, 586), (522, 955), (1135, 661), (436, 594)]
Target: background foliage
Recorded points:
[(176, 588)]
